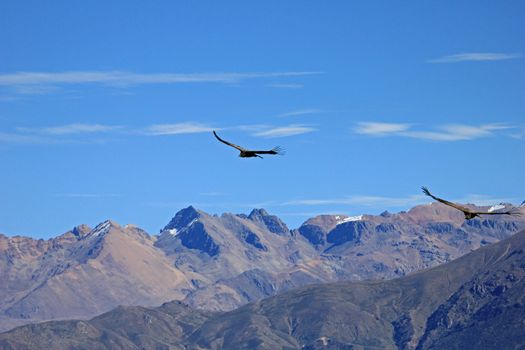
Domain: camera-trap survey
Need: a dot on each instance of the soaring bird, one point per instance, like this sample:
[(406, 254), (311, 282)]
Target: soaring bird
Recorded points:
[(246, 153), (469, 213)]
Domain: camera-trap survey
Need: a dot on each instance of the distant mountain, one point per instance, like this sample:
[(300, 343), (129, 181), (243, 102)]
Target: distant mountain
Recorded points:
[(222, 262), (84, 273), (474, 302), (347, 248)]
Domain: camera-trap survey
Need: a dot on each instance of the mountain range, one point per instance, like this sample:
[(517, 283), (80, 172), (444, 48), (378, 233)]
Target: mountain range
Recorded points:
[(473, 302), (219, 263)]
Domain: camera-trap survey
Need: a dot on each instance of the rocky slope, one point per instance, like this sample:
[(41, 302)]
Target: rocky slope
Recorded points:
[(350, 248), (221, 262), (476, 301), (85, 274)]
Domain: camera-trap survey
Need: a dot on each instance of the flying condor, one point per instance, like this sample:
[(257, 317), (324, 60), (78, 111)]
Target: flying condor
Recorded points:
[(246, 153), (469, 213)]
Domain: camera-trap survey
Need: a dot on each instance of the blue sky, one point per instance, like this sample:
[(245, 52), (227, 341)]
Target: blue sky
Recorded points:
[(106, 109)]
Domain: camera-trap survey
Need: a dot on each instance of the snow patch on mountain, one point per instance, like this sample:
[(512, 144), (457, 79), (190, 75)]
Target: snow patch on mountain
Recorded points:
[(496, 207), (101, 229), (192, 222), (349, 218), (177, 231)]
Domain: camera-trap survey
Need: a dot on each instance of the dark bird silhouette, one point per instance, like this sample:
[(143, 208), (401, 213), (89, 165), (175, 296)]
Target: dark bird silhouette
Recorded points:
[(246, 153), (469, 213)]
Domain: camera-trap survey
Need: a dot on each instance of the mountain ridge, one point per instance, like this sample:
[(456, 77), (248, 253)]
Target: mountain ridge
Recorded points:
[(222, 262), (411, 312)]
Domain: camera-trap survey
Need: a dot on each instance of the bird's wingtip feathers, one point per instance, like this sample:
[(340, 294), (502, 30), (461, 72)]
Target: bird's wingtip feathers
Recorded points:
[(515, 212), (279, 150)]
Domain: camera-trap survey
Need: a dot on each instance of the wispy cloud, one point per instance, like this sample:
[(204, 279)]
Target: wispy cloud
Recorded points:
[(286, 86), (474, 56), (449, 132), (300, 112), (16, 138), (380, 129), (212, 194), (396, 202), (485, 200), (458, 132), (35, 89), (178, 128), (284, 131), (87, 195), (369, 201), (251, 127), (118, 78), (518, 134), (308, 214), (77, 128)]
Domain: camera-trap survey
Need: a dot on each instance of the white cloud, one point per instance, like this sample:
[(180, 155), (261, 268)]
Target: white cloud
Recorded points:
[(518, 134), (212, 194), (118, 78), (251, 127), (178, 128), (457, 132), (11, 138), (35, 89), (449, 132), (485, 200), (8, 98), (77, 128), (87, 195), (474, 56), (377, 128), (396, 202), (300, 112), (283, 131), (361, 201), (309, 214), (286, 86), (57, 134)]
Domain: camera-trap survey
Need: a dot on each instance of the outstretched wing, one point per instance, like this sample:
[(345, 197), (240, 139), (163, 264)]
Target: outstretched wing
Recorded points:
[(453, 205), (228, 143), (513, 212), (277, 150)]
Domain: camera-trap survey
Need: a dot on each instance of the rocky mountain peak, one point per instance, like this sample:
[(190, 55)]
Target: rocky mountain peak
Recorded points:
[(187, 230), (386, 214), (316, 228), (103, 228), (271, 222), (258, 213), (80, 230), (183, 218)]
